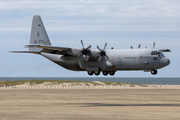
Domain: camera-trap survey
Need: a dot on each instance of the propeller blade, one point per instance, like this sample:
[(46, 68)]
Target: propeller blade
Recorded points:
[(88, 47), (131, 47), (82, 43), (102, 53), (105, 46), (99, 48), (139, 46), (107, 57), (154, 45), (100, 58)]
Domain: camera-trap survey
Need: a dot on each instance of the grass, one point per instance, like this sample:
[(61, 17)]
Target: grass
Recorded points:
[(11, 83), (56, 82), (121, 84), (35, 82)]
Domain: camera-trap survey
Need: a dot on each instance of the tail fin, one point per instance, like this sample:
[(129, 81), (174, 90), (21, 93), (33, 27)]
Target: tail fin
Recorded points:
[(38, 34)]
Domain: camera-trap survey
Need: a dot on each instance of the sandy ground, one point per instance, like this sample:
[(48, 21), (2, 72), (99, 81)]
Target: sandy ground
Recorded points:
[(90, 104)]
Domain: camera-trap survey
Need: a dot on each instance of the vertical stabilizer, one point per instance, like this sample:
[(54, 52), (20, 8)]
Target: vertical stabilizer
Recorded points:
[(38, 34)]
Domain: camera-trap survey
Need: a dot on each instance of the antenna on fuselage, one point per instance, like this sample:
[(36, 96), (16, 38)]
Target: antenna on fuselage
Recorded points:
[(154, 45)]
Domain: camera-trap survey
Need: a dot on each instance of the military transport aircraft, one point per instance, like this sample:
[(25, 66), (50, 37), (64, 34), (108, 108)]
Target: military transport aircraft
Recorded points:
[(95, 61)]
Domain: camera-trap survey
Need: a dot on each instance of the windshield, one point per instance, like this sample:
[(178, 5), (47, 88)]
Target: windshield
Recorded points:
[(161, 54), (155, 53)]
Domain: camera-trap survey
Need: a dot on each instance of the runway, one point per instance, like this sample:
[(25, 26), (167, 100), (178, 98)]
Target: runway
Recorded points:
[(90, 104)]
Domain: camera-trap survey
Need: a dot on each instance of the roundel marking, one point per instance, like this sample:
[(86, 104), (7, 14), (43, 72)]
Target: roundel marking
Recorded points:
[(37, 34)]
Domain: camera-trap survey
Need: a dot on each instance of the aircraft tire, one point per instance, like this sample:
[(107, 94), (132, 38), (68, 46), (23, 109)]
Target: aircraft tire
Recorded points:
[(105, 73), (111, 73), (90, 72), (154, 72), (97, 72)]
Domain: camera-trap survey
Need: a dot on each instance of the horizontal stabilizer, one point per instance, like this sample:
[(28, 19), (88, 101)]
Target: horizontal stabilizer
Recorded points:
[(49, 47), (35, 52)]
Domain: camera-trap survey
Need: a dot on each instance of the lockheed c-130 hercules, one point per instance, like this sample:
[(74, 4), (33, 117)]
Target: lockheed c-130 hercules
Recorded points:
[(95, 61)]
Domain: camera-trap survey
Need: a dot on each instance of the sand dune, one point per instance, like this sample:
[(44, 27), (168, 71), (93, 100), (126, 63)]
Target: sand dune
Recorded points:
[(88, 85)]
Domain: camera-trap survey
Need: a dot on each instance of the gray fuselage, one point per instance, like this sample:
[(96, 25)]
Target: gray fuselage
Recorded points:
[(119, 59)]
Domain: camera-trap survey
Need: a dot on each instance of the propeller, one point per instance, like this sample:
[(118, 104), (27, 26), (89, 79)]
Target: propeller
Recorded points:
[(131, 47), (84, 51), (154, 45), (102, 53), (139, 46)]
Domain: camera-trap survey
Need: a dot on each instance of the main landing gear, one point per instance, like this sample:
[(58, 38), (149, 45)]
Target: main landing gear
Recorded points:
[(154, 72), (105, 73)]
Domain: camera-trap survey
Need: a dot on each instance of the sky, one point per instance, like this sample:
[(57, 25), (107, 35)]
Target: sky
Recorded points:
[(120, 23)]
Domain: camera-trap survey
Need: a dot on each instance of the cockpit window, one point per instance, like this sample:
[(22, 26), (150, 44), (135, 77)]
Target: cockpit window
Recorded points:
[(155, 53), (159, 53)]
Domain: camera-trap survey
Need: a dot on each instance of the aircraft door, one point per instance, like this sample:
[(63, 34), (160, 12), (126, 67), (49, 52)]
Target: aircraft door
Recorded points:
[(155, 62), (119, 61)]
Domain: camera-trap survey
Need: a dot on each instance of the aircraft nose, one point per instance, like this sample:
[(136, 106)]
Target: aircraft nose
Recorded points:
[(164, 61)]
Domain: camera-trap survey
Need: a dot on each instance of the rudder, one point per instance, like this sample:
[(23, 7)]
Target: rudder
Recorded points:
[(38, 34)]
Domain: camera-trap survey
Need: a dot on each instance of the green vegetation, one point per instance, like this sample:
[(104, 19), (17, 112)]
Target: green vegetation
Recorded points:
[(73, 83), (11, 83), (121, 84), (50, 82)]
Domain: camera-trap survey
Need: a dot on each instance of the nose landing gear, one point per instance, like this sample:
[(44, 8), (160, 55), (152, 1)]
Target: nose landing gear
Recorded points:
[(154, 72)]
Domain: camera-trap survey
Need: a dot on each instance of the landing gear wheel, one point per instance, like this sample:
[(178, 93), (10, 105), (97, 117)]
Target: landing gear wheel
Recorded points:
[(97, 72), (153, 72), (105, 73), (90, 72), (111, 73)]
